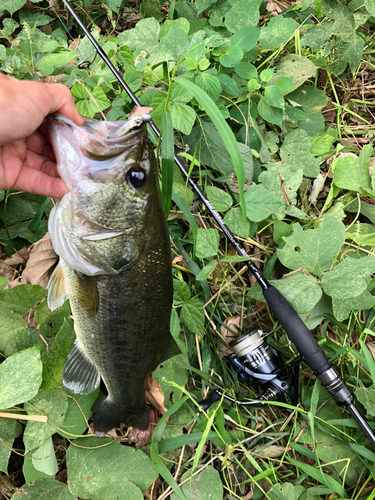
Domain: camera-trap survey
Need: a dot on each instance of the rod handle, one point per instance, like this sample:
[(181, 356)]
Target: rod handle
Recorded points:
[(297, 331)]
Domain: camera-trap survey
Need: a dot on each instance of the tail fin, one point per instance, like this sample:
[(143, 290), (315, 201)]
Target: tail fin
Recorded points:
[(108, 416)]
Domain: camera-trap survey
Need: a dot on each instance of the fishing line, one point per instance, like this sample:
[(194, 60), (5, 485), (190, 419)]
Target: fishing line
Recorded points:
[(295, 328)]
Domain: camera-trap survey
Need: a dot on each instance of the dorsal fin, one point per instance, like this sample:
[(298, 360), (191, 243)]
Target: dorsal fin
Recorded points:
[(56, 288)]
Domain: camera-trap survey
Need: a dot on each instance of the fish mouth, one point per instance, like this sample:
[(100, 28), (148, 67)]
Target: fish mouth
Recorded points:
[(91, 146)]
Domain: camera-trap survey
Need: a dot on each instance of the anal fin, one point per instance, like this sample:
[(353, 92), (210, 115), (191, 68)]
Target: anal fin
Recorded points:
[(171, 349), (80, 375), (56, 289)]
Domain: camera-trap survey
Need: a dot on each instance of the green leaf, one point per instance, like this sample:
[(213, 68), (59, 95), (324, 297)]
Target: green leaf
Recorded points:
[(260, 203), (348, 50), (54, 359), (10, 324), (286, 490), (317, 36), (134, 79), (44, 489), (9, 26), (228, 84), (322, 144), (173, 370), (349, 277), (100, 98), (209, 147), (269, 113), (9, 430), (209, 84), (181, 291), (174, 44), (278, 31), (74, 424), (207, 243), (292, 175), (87, 108), (49, 321), (121, 490), (180, 94), (145, 35), (299, 68), (44, 458), (344, 19), (192, 316), (300, 290), (266, 75), (22, 298), (285, 84), (274, 97), (343, 307), (12, 5), (353, 173), (206, 271), (232, 55), (366, 396), (20, 377), (246, 71), (34, 18), (202, 486), (295, 151), (183, 117), (125, 57), (245, 37), (219, 199), (233, 219), (313, 249), (181, 22), (243, 13), (167, 161), (91, 470), (52, 404), (60, 57), (370, 6), (312, 101)]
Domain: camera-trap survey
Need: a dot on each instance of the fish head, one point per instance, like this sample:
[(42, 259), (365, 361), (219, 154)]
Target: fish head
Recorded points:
[(110, 171)]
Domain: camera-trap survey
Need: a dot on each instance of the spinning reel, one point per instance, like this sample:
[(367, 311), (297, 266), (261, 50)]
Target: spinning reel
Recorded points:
[(257, 363)]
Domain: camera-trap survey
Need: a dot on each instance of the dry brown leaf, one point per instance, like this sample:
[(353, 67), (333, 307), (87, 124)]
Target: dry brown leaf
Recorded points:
[(141, 438), (42, 258), (154, 395), (7, 266), (274, 8), (136, 111), (75, 44), (233, 323), (179, 261)]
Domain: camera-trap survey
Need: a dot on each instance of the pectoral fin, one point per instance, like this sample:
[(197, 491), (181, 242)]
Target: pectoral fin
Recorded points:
[(171, 349), (80, 375), (87, 293), (56, 289)]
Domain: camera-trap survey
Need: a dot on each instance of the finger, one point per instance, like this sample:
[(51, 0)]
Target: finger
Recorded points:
[(37, 182), (37, 143), (42, 163), (61, 100)]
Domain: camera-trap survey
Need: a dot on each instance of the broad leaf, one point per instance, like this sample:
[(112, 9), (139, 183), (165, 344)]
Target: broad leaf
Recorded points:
[(278, 31), (313, 249), (349, 278), (260, 203), (20, 377), (295, 151), (95, 467)]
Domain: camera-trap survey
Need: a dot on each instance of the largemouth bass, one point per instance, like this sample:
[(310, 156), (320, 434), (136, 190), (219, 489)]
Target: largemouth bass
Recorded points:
[(115, 263)]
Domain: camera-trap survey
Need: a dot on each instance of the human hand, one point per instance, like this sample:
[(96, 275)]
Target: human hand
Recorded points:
[(27, 162)]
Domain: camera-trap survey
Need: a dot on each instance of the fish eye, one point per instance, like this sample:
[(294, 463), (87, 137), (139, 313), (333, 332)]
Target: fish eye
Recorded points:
[(136, 177)]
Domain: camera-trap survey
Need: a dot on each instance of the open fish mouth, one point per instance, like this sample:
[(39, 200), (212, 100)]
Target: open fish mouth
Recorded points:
[(83, 150)]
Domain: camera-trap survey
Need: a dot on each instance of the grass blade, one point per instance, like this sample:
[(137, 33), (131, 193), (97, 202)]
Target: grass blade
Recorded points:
[(167, 160), (225, 133)]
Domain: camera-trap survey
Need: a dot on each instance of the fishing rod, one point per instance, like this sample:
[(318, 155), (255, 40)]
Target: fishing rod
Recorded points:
[(295, 328)]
